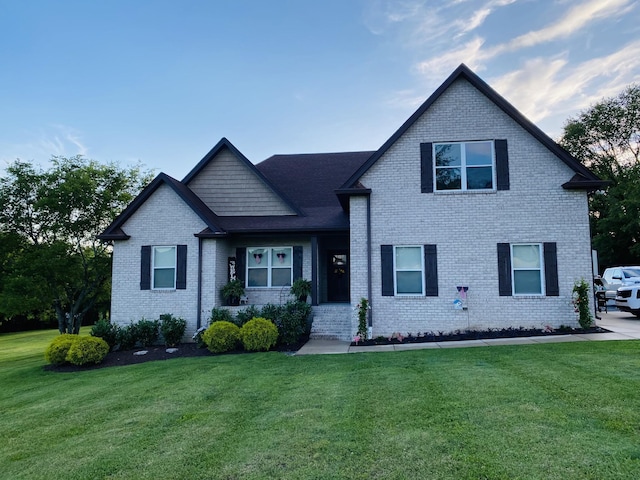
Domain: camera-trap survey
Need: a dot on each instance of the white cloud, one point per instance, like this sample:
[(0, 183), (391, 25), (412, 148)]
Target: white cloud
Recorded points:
[(41, 145), (476, 53), (574, 20), (552, 89)]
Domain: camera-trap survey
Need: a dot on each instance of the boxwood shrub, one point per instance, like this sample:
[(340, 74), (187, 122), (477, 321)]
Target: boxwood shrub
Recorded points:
[(172, 329), (107, 331), (221, 337), (258, 334), (147, 332), (57, 350), (85, 350)]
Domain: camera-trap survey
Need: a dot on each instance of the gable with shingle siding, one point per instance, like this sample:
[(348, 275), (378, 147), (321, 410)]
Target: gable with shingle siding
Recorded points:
[(229, 188)]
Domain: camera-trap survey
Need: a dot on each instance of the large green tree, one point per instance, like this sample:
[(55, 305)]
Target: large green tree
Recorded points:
[(50, 258), (606, 138)]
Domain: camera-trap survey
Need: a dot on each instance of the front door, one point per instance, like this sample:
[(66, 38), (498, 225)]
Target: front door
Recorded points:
[(338, 276)]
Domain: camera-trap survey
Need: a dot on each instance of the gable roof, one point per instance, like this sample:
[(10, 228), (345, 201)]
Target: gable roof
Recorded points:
[(226, 144), (584, 177), (115, 232), (309, 180)]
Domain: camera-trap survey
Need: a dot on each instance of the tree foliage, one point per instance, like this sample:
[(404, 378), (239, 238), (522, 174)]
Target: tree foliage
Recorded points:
[(606, 138), (50, 258)]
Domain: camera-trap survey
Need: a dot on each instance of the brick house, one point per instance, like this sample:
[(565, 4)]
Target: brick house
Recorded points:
[(468, 217)]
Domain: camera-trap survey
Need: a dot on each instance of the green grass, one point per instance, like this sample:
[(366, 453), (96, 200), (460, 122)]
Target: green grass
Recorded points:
[(557, 411)]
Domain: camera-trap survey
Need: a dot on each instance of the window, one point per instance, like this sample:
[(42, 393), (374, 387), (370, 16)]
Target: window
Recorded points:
[(269, 267), (409, 270), (164, 268), (527, 270), (409, 267), (464, 166)]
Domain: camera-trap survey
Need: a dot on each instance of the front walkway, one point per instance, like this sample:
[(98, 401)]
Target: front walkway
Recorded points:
[(622, 326)]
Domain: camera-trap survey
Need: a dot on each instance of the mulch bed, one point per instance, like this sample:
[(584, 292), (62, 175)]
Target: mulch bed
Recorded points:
[(476, 335), (155, 353)]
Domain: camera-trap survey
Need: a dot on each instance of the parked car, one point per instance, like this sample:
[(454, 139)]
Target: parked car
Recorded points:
[(616, 277), (628, 299)]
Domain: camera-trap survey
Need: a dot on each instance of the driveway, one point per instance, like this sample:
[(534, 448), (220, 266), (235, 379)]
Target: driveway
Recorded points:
[(624, 324)]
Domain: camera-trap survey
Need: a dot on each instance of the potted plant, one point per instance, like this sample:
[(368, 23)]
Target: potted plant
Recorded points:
[(301, 288), (232, 292)]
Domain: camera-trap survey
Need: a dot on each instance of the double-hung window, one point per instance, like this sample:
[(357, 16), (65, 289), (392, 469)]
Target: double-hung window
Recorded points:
[(164, 267), (409, 270), (527, 269), (464, 166), (269, 266)]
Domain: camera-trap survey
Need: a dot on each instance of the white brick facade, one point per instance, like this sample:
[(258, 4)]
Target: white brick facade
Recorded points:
[(164, 219), (466, 227)]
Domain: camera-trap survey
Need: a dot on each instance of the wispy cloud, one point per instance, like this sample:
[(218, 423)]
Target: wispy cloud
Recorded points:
[(477, 53), (574, 19), (41, 145), (546, 87)]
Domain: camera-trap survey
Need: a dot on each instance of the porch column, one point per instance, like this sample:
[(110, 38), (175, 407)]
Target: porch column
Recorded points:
[(315, 300)]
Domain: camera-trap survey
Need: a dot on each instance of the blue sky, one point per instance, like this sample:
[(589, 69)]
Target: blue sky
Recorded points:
[(162, 81)]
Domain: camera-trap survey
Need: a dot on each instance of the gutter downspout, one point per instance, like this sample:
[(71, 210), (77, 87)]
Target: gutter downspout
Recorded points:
[(199, 314), (369, 279)]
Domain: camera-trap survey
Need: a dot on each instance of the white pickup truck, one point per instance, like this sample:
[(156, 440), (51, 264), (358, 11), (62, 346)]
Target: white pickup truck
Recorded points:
[(615, 277), (628, 299)]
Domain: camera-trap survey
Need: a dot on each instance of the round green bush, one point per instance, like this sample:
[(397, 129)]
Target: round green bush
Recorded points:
[(221, 337), (172, 329), (85, 350), (258, 334), (56, 352)]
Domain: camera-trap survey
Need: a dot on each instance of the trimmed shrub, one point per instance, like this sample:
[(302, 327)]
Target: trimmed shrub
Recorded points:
[(292, 321), (86, 350), (258, 334), (147, 331), (127, 337), (243, 316), (107, 331), (57, 350), (221, 337), (220, 315), (172, 329)]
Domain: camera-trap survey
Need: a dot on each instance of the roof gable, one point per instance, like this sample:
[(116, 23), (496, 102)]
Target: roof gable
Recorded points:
[(115, 232), (230, 185), (588, 179)]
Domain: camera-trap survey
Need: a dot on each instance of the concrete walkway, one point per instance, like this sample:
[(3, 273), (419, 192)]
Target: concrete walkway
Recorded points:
[(622, 326)]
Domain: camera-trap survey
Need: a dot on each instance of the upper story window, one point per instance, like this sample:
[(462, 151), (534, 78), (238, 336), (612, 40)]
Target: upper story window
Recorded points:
[(269, 266), (164, 268), (464, 166)]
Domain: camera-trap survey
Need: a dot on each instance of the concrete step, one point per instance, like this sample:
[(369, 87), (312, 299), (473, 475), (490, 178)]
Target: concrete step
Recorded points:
[(332, 322)]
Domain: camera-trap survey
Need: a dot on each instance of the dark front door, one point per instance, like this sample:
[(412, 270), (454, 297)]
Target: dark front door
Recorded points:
[(338, 276)]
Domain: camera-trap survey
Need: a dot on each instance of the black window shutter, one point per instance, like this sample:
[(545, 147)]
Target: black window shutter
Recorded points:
[(386, 261), (551, 269), (502, 165), (431, 270), (297, 262), (241, 263), (504, 270), (145, 267), (181, 270), (426, 167)]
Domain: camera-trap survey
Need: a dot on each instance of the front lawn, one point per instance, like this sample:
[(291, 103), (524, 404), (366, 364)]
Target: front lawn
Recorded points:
[(556, 411)]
